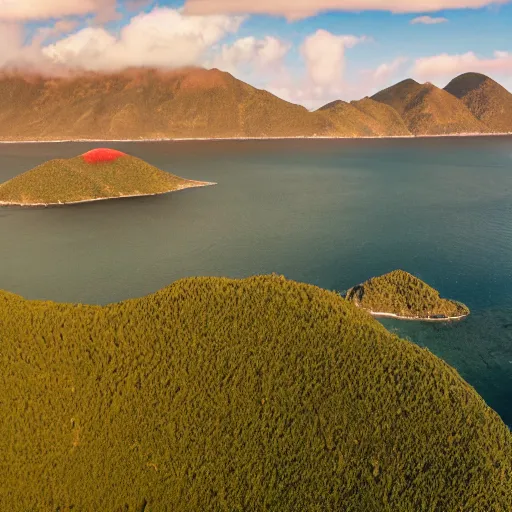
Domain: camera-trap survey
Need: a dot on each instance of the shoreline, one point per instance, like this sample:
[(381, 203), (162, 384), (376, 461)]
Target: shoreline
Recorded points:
[(185, 186), (383, 314), (55, 141), (379, 314)]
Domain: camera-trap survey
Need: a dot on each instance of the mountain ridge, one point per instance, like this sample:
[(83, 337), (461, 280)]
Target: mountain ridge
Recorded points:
[(147, 103), (429, 110)]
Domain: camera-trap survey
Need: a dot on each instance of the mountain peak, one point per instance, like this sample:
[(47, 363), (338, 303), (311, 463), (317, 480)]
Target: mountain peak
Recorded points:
[(489, 102), (429, 110), (332, 104), (466, 82)]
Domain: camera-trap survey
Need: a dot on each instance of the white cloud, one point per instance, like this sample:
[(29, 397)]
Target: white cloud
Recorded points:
[(385, 71), (12, 42), (59, 28), (20, 10), (428, 20), (324, 56), (297, 9), (446, 66), (260, 53), (162, 38)]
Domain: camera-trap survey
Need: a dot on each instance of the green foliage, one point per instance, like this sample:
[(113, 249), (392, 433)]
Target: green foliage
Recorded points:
[(403, 294), (217, 394), (65, 181)]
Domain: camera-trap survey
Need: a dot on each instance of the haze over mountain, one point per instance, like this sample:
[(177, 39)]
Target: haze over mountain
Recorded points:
[(485, 98), (142, 103)]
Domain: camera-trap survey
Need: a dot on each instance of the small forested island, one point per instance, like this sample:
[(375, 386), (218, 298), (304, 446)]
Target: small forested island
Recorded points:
[(97, 175), (219, 394), (404, 296)]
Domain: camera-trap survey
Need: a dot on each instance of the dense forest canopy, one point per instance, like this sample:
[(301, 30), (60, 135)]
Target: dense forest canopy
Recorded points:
[(218, 394), (403, 294)]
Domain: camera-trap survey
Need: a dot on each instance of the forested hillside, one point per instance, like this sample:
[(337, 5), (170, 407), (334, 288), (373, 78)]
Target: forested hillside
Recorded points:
[(403, 294), (88, 177), (217, 394)]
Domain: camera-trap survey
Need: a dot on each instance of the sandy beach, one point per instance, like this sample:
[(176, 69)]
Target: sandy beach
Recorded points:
[(379, 314)]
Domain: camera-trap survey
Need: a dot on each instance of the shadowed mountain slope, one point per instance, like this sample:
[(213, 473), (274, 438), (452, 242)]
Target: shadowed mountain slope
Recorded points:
[(486, 99), (428, 110), (218, 394)]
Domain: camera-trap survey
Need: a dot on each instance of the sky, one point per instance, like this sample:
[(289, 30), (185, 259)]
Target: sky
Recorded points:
[(305, 51)]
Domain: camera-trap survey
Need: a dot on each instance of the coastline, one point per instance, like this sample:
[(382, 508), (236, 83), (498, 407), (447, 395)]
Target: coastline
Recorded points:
[(185, 186), (379, 314), (384, 314), (178, 139)]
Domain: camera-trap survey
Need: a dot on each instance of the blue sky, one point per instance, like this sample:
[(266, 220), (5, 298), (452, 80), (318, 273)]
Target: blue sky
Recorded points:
[(309, 60)]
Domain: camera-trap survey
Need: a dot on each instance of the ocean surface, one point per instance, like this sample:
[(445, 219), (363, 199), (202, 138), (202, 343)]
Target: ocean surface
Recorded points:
[(328, 212)]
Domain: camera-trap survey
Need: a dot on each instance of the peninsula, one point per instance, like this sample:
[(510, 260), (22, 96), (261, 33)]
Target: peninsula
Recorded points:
[(402, 295), (219, 394), (97, 175)]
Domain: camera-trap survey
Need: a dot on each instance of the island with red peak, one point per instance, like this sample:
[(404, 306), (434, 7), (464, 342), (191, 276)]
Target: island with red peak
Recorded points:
[(97, 175), (102, 155)]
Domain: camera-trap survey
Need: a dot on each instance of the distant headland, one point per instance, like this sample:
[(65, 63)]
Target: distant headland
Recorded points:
[(405, 297), (97, 175)]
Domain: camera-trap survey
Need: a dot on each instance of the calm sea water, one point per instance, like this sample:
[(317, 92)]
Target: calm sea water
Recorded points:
[(330, 213)]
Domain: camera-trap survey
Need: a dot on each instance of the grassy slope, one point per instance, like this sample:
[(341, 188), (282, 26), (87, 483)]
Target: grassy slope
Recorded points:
[(214, 394), (428, 110), (363, 118), (487, 100), (75, 180), (403, 294)]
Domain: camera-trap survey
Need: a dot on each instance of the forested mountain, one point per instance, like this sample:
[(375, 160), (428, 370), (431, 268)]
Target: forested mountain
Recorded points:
[(487, 100), (428, 110), (218, 394), (145, 103), (364, 118)]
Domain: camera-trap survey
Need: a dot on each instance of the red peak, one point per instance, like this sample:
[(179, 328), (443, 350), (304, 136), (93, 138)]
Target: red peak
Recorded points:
[(100, 155)]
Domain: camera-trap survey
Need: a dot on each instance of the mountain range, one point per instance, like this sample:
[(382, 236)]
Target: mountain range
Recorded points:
[(145, 103)]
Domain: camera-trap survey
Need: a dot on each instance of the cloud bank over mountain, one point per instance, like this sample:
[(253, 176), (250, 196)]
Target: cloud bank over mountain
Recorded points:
[(313, 61)]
